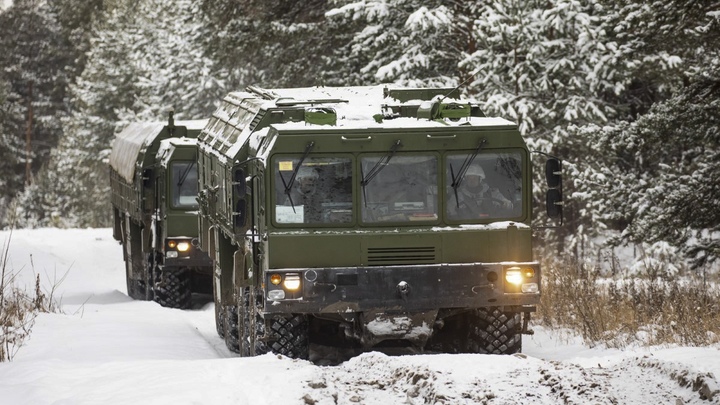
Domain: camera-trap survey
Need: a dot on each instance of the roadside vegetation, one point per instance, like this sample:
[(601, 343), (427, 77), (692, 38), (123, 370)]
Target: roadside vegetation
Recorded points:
[(19, 307), (629, 307)]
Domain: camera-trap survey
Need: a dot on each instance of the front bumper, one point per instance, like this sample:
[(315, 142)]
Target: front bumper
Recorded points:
[(401, 288)]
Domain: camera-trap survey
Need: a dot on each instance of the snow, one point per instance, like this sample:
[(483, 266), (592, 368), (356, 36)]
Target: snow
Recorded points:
[(106, 348)]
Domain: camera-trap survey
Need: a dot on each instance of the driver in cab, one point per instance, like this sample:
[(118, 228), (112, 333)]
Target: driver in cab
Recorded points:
[(307, 193), (476, 198)]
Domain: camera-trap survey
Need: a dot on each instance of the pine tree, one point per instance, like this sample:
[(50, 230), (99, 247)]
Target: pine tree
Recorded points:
[(143, 61), (661, 185), (277, 43), (408, 42), (653, 181), (33, 57)]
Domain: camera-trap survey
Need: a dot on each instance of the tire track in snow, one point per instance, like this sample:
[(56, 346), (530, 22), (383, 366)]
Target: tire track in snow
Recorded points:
[(638, 380), (373, 378)]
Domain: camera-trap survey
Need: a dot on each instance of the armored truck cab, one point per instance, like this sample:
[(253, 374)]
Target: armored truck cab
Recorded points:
[(153, 177), (366, 218)]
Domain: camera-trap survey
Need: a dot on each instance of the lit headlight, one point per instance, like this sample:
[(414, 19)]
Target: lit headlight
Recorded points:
[(183, 246), (514, 275), (292, 282)]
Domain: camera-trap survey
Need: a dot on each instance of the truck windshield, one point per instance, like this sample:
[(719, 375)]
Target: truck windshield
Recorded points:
[(321, 192), (490, 189), (404, 190), (183, 185)]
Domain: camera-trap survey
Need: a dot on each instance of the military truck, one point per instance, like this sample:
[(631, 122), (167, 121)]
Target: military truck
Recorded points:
[(341, 218), (153, 179)]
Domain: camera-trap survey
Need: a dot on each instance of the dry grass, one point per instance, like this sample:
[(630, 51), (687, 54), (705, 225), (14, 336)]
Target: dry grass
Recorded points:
[(616, 312), (18, 307)]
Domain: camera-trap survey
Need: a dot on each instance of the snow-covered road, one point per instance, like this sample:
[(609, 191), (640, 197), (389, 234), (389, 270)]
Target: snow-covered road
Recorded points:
[(106, 348)]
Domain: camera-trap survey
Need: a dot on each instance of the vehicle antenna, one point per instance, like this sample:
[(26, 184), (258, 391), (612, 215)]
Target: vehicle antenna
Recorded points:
[(459, 85), (171, 123)]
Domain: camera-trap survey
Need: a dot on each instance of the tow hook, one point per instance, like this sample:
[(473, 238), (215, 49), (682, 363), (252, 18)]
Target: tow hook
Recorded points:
[(404, 289)]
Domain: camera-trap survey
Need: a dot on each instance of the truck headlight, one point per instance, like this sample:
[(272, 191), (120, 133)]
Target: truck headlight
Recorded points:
[(276, 295), (183, 246), (530, 288), (292, 282), (514, 276)]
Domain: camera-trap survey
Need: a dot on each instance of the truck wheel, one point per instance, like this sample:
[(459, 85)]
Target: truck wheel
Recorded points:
[(256, 328), (495, 332), (288, 335), (232, 340), (173, 291), (219, 313), (135, 288), (245, 327)]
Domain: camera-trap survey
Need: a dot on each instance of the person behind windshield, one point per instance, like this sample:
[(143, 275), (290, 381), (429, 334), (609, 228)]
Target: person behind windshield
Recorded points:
[(306, 193), (475, 197)]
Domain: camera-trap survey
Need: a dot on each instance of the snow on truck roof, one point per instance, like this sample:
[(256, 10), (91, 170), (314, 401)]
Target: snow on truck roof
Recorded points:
[(356, 107), (136, 137)]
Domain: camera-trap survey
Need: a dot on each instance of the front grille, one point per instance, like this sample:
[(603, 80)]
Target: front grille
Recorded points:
[(384, 256)]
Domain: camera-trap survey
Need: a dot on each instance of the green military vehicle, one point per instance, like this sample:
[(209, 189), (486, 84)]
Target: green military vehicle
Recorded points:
[(367, 218), (153, 179)]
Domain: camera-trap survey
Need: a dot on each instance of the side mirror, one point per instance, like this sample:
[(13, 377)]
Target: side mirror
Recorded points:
[(239, 183), (147, 177), (239, 214), (553, 172), (239, 193), (553, 199)]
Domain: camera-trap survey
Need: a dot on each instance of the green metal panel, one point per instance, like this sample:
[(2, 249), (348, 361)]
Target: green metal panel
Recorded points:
[(383, 247)]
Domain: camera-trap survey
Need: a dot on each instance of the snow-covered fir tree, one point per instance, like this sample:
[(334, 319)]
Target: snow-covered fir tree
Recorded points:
[(408, 42), (33, 58), (274, 43), (143, 62)]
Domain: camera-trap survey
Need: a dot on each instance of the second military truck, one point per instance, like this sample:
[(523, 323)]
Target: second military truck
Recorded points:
[(153, 178), (367, 218)]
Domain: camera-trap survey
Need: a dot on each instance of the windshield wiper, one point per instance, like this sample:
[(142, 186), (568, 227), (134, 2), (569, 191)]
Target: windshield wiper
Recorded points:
[(381, 164), (288, 185), (463, 169), (185, 173)]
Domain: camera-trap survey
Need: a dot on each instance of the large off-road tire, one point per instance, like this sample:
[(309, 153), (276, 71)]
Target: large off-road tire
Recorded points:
[(136, 263), (173, 289), (219, 312), (246, 326), (280, 334), (485, 331), (232, 337), (288, 335), (256, 327), (135, 288), (495, 332)]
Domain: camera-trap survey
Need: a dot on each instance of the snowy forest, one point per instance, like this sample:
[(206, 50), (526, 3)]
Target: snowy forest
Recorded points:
[(626, 93)]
